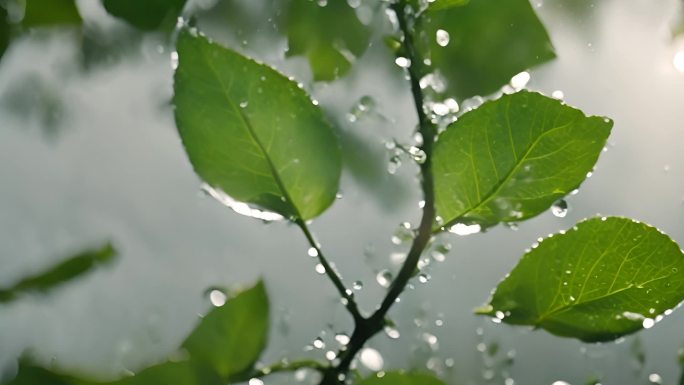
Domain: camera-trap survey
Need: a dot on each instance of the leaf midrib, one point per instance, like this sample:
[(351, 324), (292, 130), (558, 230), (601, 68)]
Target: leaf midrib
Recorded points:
[(508, 176), (247, 124)]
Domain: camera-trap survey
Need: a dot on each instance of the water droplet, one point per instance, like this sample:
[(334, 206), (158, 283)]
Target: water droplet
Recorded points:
[(678, 61), (431, 340), (174, 60), (404, 233), (312, 252), (417, 154), (655, 378), (463, 229), (342, 339), (402, 62), (648, 323), (217, 298), (240, 207), (392, 332), (394, 164), (434, 81), (255, 381), (354, 3), (520, 80), (371, 359), (357, 285), (364, 106), (560, 208), (558, 94), (320, 269), (318, 343), (330, 355), (384, 278), (442, 37), (423, 278), (559, 382)]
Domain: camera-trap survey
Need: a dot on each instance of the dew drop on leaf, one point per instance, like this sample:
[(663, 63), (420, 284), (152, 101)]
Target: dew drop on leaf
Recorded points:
[(463, 229), (217, 298)]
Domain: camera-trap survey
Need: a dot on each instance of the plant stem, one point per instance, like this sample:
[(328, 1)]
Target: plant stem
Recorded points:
[(347, 295), (366, 328)]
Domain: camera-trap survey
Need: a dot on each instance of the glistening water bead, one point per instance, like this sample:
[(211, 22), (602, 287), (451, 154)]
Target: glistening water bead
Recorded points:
[(442, 37)]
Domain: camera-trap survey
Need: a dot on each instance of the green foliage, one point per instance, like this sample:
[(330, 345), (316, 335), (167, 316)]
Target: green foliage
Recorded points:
[(329, 36), (489, 42), (253, 133), (601, 280), (511, 158), (231, 338), (47, 13), (147, 15), (400, 378), (446, 4), (4, 31), (61, 273), (225, 344)]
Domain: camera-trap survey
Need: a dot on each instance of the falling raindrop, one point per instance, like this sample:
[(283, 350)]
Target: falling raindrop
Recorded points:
[(217, 298), (371, 359), (442, 38), (402, 62), (560, 208), (655, 378), (394, 164), (342, 338), (392, 332), (384, 278), (417, 154), (431, 340), (404, 233)]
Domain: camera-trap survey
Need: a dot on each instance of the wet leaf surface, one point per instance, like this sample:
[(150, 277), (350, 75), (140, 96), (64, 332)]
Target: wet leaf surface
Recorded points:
[(601, 280)]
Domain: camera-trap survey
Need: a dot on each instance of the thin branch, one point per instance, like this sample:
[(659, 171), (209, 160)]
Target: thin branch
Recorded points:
[(346, 294), (366, 328)]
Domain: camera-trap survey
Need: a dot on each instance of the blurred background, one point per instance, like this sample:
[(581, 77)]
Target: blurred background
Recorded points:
[(89, 153)]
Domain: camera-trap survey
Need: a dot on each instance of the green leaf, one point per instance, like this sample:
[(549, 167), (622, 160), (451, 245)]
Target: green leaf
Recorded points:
[(603, 279), (230, 338), (47, 13), (147, 15), (4, 31), (489, 42), (176, 373), (511, 158), (400, 378), (65, 271), (446, 4), (329, 36), (252, 133)]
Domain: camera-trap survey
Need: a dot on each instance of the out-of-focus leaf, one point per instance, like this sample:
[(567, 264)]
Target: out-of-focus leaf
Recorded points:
[(67, 270), (446, 4), (230, 338), (603, 279), (400, 378), (48, 13), (330, 36), (252, 133), (489, 41), (147, 15), (176, 373), (4, 31), (512, 158)]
